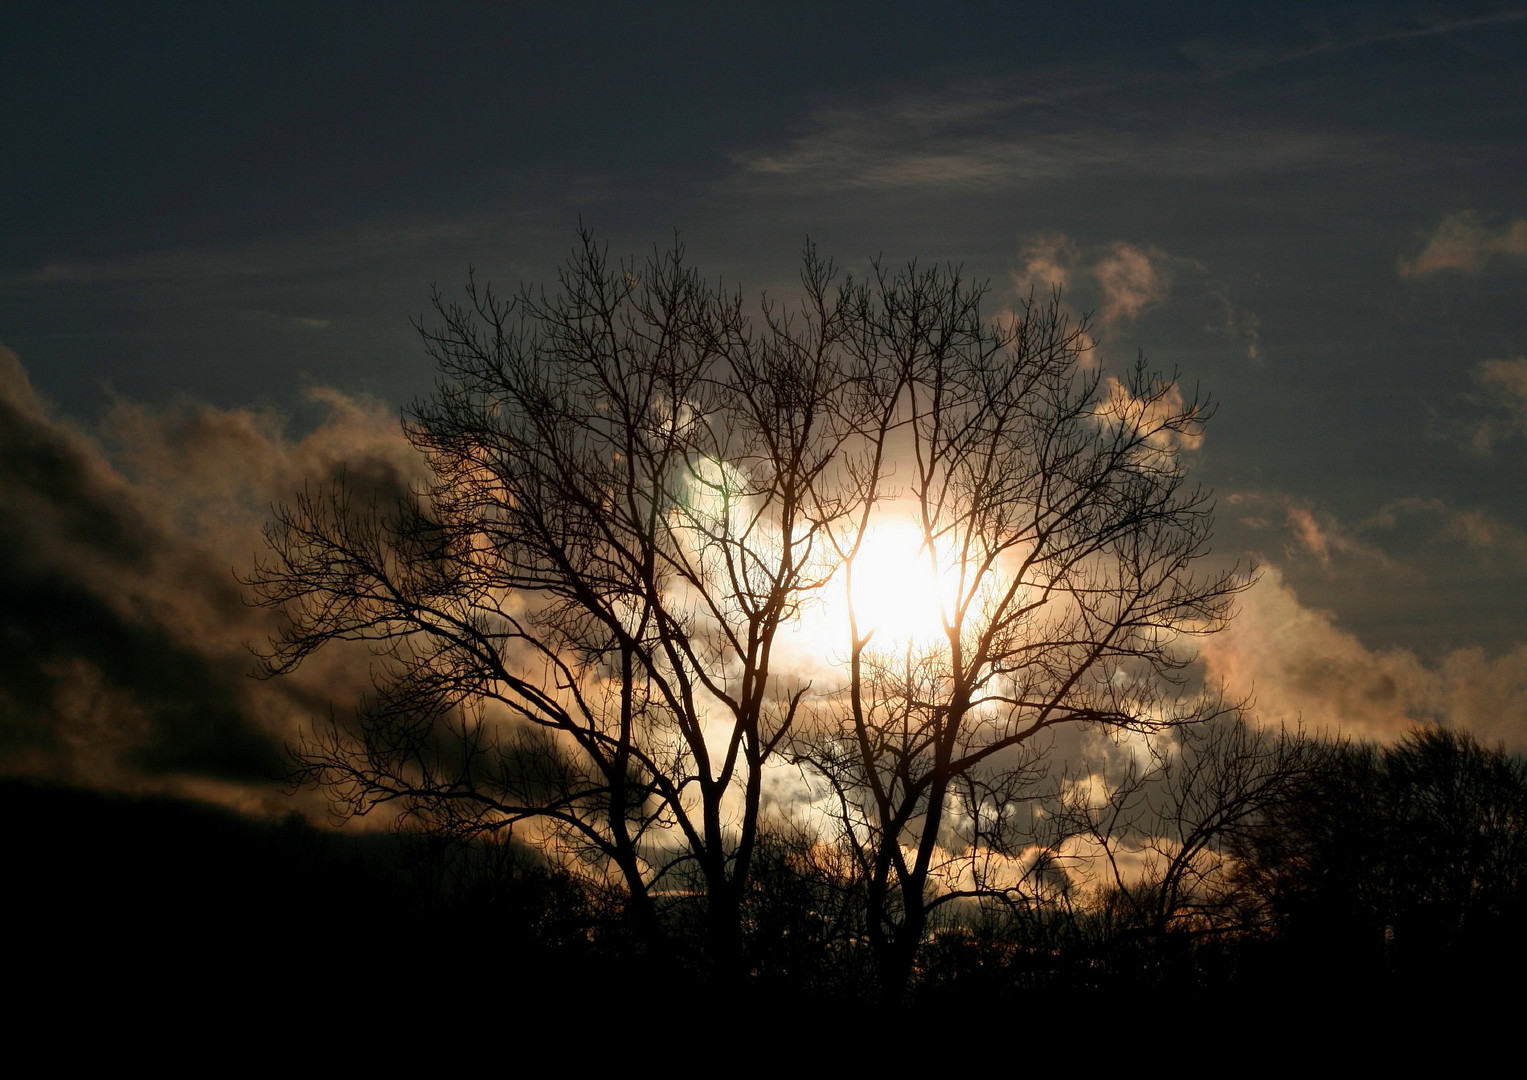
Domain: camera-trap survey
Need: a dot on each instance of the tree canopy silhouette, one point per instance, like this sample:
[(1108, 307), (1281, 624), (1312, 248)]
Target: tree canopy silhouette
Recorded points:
[(589, 622), (1404, 861)]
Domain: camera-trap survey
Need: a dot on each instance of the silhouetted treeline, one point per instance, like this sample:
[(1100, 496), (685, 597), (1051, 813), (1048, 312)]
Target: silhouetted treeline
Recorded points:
[(1361, 868), (1404, 863)]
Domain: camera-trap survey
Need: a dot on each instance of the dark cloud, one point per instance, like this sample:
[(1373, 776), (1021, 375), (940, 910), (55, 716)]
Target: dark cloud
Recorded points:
[(53, 485), (124, 625), (179, 709), (1504, 383)]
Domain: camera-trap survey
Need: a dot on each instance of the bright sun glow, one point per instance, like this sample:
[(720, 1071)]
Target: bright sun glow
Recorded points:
[(896, 590)]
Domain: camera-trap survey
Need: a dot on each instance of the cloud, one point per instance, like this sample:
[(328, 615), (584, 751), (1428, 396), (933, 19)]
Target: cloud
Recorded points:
[(1421, 540), (1044, 264), (1118, 282), (1505, 381), (1483, 538), (125, 663), (1309, 533), (1306, 533), (932, 139), (1418, 573), (1122, 282), (1236, 322), (1463, 242), (326, 252), (1510, 378), (1168, 422), (1132, 280), (1298, 664), (1055, 125), (1125, 278), (1422, 28), (1378, 28)]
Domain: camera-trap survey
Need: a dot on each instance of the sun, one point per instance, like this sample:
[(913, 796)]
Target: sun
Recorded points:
[(893, 592), (898, 588)]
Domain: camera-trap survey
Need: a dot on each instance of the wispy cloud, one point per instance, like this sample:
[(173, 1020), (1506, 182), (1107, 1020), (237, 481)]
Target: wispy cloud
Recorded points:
[(1464, 242), (1239, 323), (1504, 399), (275, 257), (1420, 28), (1005, 134), (1299, 530), (1120, 281), (1403, 538), (1486, 539), (1045, 263), (1360, 30), (1127, 278), (1149, 415), (1133, 279)]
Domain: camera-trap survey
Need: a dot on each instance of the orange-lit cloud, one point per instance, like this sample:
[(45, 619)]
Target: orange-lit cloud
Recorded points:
[(1129, 278), (1150, 415), (1465, 243), (1484, 538), (1044, 264), (1306, 532), (1132, 279), (1121, 279), (1299, 665)]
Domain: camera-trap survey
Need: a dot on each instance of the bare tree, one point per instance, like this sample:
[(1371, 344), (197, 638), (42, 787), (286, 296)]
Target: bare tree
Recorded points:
[(1155, 845), (1051, 505), (637, 488), (575, 618)]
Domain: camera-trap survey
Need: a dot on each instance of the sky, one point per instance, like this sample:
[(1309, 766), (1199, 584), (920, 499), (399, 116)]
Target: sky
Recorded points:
[(221, 220)]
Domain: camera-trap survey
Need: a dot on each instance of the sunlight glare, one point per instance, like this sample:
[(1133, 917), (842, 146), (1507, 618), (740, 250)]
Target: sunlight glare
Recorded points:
[(896, 590)]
